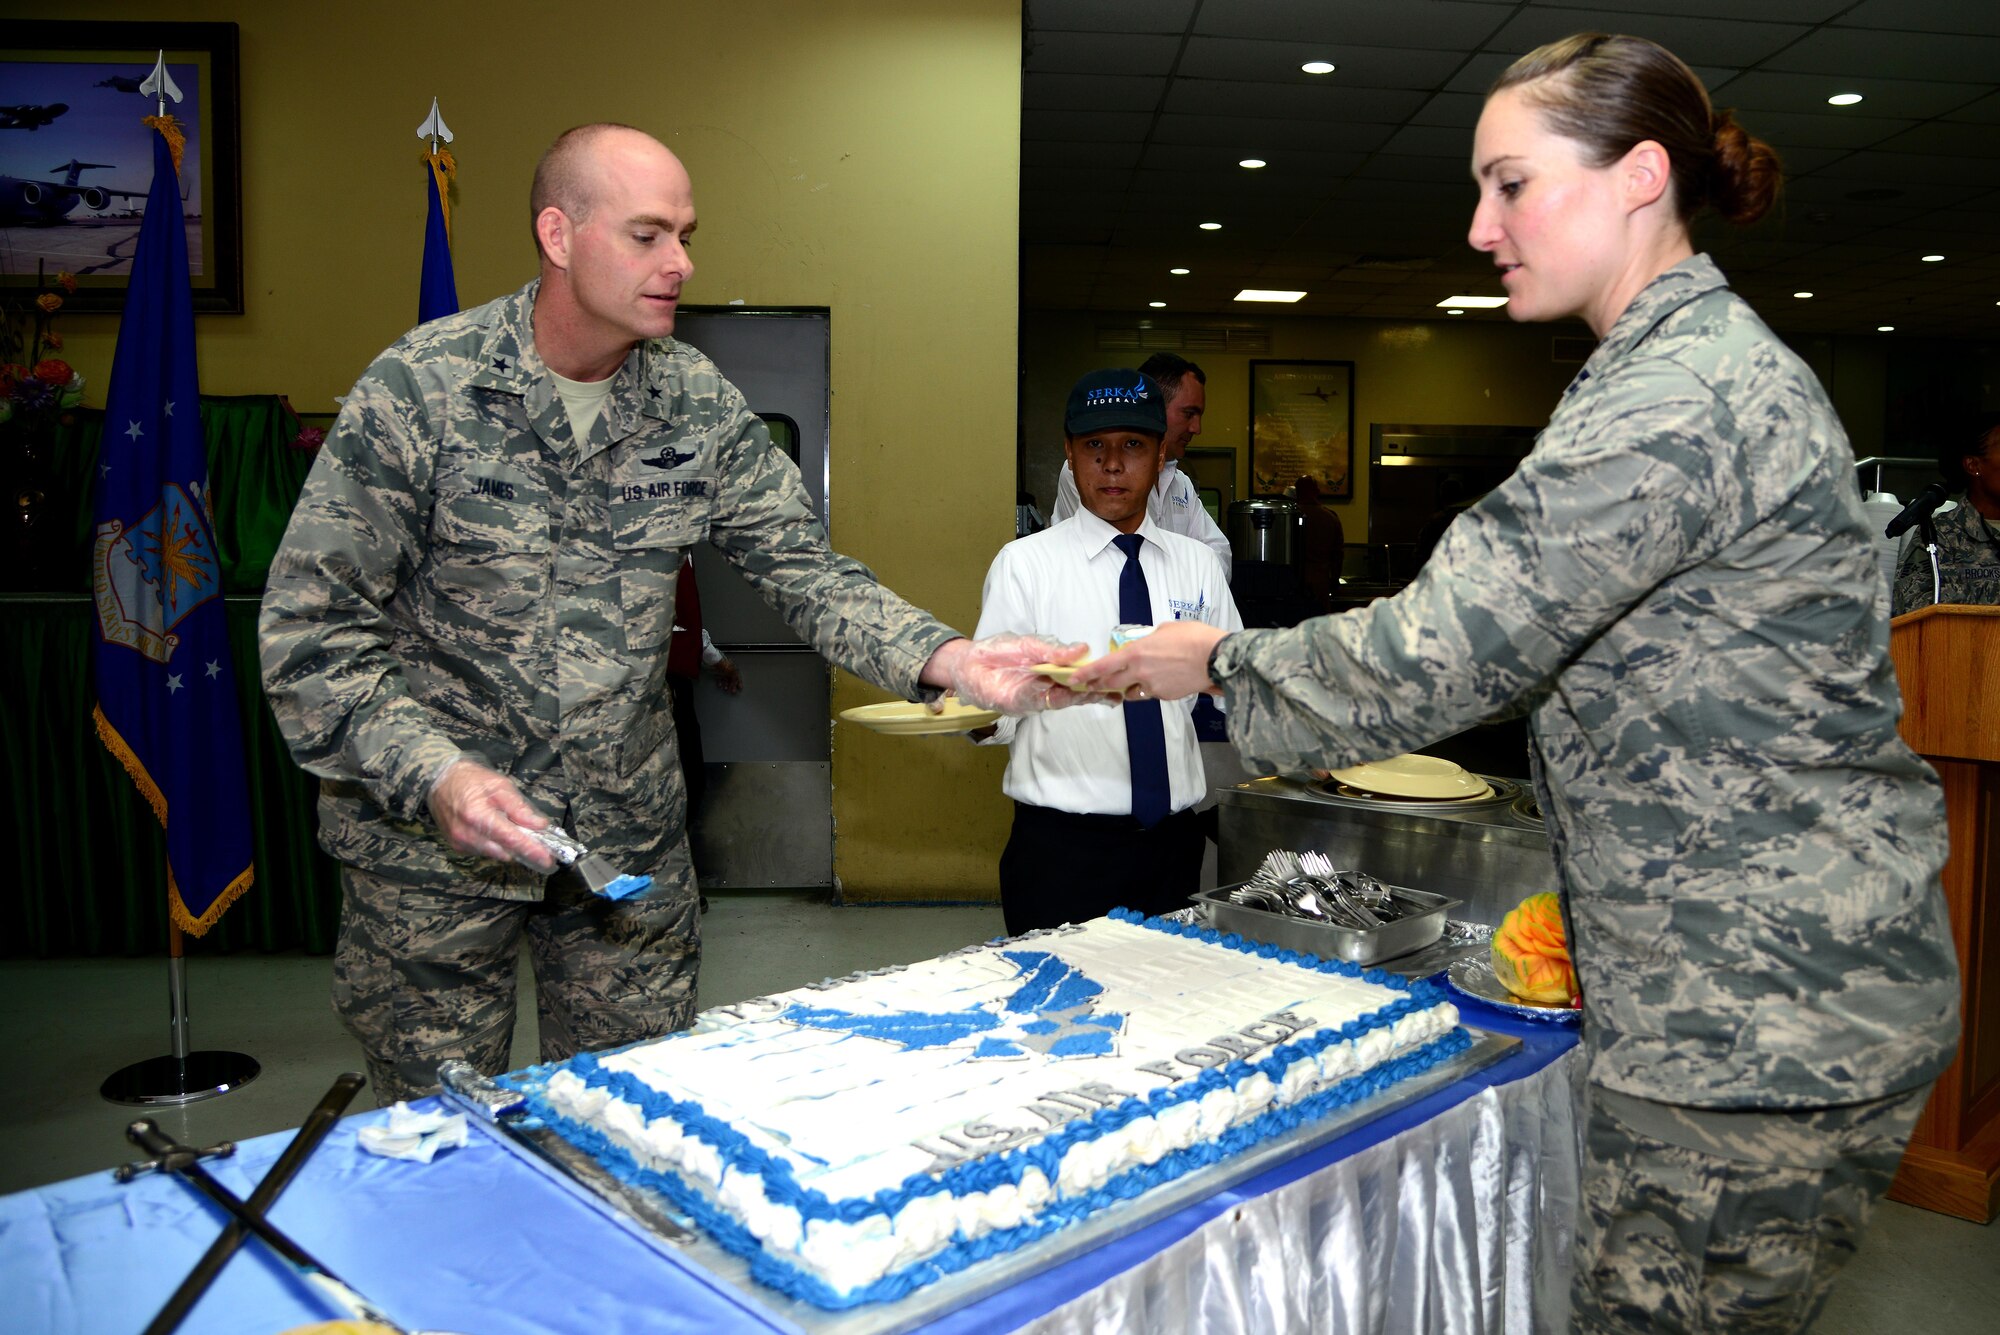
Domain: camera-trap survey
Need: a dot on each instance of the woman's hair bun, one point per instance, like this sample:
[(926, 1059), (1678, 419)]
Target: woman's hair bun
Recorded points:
[(1745, 174)]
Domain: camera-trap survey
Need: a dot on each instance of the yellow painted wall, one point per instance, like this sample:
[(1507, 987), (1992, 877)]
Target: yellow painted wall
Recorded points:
[(857, 154), (1482, 371)]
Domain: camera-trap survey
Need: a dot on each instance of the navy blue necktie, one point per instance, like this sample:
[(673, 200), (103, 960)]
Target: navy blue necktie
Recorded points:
[(1145, 733)]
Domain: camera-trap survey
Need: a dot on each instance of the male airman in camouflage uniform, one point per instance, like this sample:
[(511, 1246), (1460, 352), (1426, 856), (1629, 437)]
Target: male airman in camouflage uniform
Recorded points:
[(1678, 583), (466, 631)]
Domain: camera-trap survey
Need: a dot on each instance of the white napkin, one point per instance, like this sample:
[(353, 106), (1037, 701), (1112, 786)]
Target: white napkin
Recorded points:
[(414, 1135)]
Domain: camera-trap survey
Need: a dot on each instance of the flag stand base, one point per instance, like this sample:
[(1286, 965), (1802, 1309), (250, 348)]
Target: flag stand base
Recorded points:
[(181, 1076), (178, 1080)]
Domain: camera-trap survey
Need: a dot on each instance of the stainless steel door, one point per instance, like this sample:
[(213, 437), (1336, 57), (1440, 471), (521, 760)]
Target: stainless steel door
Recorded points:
[(767, 819)]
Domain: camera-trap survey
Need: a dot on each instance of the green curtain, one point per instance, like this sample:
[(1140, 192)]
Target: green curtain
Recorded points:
[(86, 854)]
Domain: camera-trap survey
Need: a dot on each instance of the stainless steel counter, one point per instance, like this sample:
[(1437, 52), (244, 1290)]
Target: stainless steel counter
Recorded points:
[(1490, 855)]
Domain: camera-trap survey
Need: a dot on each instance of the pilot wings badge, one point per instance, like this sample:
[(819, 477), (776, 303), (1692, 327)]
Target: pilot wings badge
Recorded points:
[(669, 457), (150, 576)]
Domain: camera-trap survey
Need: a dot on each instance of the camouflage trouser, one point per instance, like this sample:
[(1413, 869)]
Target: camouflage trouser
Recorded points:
[(420, 975), (1698, 1219)]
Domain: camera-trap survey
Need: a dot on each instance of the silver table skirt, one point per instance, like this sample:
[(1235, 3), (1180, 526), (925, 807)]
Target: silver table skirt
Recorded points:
[(1462, 1224)]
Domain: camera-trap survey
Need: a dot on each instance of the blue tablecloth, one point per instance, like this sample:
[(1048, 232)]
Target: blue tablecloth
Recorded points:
[(478, 1241)]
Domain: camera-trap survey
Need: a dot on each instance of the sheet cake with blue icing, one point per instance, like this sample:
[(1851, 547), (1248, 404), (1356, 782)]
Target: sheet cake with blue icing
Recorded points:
[(862, 1137)]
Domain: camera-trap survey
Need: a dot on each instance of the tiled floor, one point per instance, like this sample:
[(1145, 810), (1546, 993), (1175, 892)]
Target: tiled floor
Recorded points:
[(72, 1022)]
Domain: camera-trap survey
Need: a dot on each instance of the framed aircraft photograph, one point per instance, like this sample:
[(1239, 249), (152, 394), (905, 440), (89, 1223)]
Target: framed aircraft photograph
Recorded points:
[(1302, 425), (76, 158)]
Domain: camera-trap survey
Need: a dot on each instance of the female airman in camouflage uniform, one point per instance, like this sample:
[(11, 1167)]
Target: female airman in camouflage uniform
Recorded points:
[(1678, 584)]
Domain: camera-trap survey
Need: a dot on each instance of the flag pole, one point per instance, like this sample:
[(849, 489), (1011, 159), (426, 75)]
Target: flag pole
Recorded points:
[(180, 1076), (154, 495)]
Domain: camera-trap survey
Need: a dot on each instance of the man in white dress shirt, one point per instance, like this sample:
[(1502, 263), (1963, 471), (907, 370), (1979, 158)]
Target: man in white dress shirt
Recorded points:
[(1174, 505), (1104, 798)]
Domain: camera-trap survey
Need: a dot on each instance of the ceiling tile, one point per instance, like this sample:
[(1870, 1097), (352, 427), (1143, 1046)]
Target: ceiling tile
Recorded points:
[(1954, 16), (1825, 129), (1925, 55), (1108, 15), (1287, 166), (1090, 92), (1698, 41), (1085, 126), (1435, 141), (1278, 62), (1776, 11), (1057, 153), (1220, 97), (1946, 137), (1770, 90), (1410, 167), (1454, 109), (1983, 111), (1264, 135), (1443, 24), (1093, 52)]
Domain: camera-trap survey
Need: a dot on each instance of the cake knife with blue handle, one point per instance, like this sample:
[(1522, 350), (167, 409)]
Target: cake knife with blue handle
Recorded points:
[(598, 875)]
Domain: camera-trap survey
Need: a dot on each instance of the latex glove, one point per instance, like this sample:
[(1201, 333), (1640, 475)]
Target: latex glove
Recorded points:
[(993, 673), (1170, 663), (480, 811)]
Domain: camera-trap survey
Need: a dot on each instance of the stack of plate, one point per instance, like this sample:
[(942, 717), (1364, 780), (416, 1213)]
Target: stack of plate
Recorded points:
[(1425, 778)]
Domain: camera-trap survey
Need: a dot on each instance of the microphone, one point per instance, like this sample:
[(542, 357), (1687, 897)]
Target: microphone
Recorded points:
[(1929, 499)]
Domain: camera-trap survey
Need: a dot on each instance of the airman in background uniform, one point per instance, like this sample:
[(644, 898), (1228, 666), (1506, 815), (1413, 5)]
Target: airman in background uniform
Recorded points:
[(465, 631)]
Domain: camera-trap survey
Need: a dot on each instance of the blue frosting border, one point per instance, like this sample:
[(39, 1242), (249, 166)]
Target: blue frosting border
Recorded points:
[(738, 1154)]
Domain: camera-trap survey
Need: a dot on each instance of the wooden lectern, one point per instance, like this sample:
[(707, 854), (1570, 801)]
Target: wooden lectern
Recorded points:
[(1948, 660)]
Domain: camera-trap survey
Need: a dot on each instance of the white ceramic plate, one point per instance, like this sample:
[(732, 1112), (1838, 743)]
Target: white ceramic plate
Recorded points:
[(900, 718), (1415, 776)]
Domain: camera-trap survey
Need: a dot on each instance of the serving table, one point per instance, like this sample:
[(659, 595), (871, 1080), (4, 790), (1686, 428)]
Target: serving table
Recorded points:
[(1453, 1212)]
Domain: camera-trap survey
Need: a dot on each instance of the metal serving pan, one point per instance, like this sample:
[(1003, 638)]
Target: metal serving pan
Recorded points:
[(1356, 945)]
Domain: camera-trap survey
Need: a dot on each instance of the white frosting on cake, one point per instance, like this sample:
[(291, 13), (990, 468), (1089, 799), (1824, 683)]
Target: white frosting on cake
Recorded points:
[(885, 1084)]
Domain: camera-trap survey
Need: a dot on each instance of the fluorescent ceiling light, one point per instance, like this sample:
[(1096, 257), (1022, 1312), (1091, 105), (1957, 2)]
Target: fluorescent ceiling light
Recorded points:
[(1843, 99), (1454, 311), (1211, 227), (1178, 273), (1157, 305), (1253, 163), (1932, 259), (1885, 329), (1267, 294), (1477, 303), (1803, 296), (1319, 67)]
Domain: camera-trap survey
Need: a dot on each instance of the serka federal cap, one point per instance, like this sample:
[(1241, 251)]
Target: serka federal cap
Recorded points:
[(1107, 400)]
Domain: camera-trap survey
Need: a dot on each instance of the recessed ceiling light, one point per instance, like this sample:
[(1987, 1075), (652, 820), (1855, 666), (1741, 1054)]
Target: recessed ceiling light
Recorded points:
[(1211, 227), (1267, 294), (1178, 273), (1157, 305), (1477, 303), (1318, 67), (1843, 99), (1803, 296), (1454, 312), (1932, 259), (1885, 329)]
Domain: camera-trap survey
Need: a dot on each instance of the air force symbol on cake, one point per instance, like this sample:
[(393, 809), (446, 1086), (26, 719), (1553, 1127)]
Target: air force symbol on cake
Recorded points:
[(1052, 1012)]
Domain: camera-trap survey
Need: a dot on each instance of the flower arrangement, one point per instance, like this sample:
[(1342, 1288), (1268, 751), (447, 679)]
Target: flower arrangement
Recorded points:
[(35, 387)]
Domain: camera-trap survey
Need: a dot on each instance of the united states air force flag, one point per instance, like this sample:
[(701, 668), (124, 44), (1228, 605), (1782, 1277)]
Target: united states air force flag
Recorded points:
[(166, 698), (437, 293)]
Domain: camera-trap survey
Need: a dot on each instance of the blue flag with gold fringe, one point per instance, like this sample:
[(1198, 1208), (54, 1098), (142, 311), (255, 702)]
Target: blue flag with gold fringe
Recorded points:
[(437, 294), (166, 695)]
